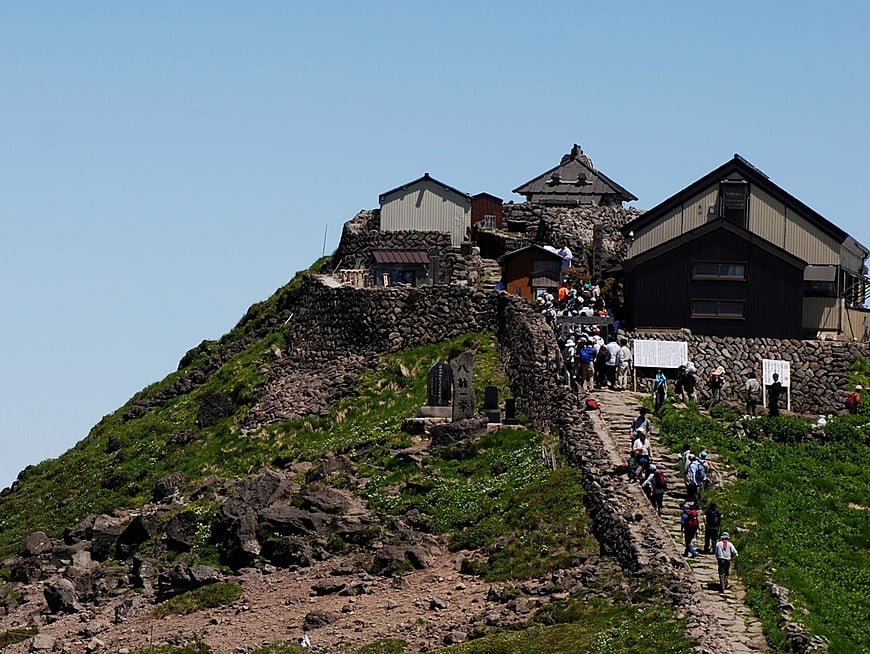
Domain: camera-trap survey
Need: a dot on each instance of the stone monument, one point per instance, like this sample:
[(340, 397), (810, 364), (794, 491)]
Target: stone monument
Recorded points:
[(490, 404), (439, 391), (463, 391)]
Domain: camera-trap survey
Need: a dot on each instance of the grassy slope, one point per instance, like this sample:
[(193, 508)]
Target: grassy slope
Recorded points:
[(798, 515)]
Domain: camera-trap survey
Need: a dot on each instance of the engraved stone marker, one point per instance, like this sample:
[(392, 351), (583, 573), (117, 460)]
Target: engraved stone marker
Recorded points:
[(439, 387), (463, 392)]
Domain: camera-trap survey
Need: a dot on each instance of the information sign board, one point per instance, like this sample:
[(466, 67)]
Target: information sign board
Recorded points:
[(660, 354)]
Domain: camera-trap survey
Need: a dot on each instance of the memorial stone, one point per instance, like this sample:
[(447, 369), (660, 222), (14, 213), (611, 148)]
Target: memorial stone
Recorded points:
[(463, 391), (490, 404), (510, 411), (439, 388)]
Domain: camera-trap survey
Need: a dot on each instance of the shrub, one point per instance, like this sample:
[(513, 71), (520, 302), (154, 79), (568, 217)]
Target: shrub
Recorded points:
[(781, 429), (849, 429)]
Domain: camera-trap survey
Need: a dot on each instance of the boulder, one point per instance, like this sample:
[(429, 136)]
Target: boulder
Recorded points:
[(141, 529), (35, 544), (181, 531), (288, 521), (213, 408), (104, 534), (60, 595), (168, 488), (287, 552)]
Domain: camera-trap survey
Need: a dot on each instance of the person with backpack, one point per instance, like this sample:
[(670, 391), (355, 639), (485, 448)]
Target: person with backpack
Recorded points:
[(585, 357), (656, 485), (725, 552), (695, 476), (853, 401), (641, 452), (753, 390), (660, 387), (689, 524), (715, 382), (712, 524)]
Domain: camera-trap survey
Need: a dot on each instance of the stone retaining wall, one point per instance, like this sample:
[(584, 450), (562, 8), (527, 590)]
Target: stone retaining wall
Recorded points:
[(819, 369)]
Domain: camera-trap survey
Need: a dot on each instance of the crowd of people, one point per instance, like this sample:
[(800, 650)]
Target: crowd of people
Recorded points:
[(696, 473)]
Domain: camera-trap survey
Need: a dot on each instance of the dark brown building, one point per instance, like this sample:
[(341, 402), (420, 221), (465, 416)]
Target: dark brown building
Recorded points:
[(733, 254)]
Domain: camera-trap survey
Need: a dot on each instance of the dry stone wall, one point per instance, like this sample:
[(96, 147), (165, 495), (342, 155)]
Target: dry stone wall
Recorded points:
[(575, 224), (819, 369)]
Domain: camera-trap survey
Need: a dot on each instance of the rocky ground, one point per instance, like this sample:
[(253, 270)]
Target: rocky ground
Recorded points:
[(337, 606)]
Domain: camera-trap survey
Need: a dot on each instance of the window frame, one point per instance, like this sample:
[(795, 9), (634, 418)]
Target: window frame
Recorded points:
[(720, 275), (718, 314)]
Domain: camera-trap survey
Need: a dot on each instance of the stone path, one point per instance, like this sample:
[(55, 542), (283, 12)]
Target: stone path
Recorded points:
[(618, 410)]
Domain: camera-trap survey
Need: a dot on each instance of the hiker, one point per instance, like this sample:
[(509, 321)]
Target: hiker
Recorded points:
[(853, 401), (689, 382), (712, 523), (568, 352), (725, 551), (602, 356), (656, 485), (641, 422), (641, 451), (613, 362), (689, 526), (752, 389), (715, 382), (695, 476), (774, 391), (585, 358), (624, 364), (660, 387)]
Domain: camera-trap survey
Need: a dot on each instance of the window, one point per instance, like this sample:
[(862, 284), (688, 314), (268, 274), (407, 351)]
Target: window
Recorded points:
[(489, 221), (733, 201), (718, 270), (819, 289), (727, 309)]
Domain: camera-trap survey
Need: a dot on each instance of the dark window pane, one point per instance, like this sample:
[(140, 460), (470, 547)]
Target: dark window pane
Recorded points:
[(731, 309), (733, 270), (706, 268), (703, 308)]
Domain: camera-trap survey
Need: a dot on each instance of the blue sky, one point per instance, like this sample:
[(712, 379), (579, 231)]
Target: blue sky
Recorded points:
[(165, 165)]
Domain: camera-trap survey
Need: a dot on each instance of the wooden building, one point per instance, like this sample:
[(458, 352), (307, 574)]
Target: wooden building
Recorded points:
[(427, 205), (531, 270), (487, 211), (573, 182), (392, 266), (733, 254)]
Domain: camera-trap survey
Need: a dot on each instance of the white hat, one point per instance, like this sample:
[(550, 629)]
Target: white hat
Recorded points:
[(858, 387)]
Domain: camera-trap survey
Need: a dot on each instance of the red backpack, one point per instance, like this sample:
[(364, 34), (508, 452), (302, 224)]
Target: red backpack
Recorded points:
[(692, 519)]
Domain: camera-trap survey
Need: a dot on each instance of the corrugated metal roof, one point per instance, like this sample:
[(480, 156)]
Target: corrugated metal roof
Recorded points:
[(401, 256)]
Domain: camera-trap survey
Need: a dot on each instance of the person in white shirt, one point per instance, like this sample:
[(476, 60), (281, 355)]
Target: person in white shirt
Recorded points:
[(565, 252), (725, 552)]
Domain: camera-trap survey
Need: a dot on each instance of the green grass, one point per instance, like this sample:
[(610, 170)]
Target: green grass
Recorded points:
[(206, 597), (798, 515), (593, 626), (12, 636)]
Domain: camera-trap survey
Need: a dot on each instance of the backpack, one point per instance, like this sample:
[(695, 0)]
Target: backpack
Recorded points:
[(713, 518), (586, 354), (659, 480), (692, 519), (699, 474), (591, 405), (852, 401)]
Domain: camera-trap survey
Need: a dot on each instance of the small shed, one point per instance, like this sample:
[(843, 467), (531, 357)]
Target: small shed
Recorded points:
[(399, 266), (487, 211), (427, 205), (531, 271)]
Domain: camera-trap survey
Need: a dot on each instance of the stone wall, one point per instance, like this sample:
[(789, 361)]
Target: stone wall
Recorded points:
[(819, 369), (548, 225)]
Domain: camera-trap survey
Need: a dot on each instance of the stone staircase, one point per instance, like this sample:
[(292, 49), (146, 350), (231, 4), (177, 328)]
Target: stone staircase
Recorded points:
[(618, 410), (490, 273)]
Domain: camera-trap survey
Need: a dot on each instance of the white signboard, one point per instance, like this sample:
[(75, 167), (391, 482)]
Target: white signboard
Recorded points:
[(660, 354), (781, 368)]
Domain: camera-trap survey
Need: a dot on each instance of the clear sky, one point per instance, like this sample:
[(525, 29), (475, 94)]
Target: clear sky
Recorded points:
[(165, 165)]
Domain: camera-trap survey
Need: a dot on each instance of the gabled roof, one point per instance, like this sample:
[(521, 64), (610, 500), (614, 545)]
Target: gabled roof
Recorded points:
[(712, 226), (484, 194), (397, 255), (541, 250), (424, 178), (751, 174), (574, 177)]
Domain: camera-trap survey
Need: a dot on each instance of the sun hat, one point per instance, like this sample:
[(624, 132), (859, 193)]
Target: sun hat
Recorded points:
[(719, 371), (652, 468), (858, 387), (724, 534), (703, 454)]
